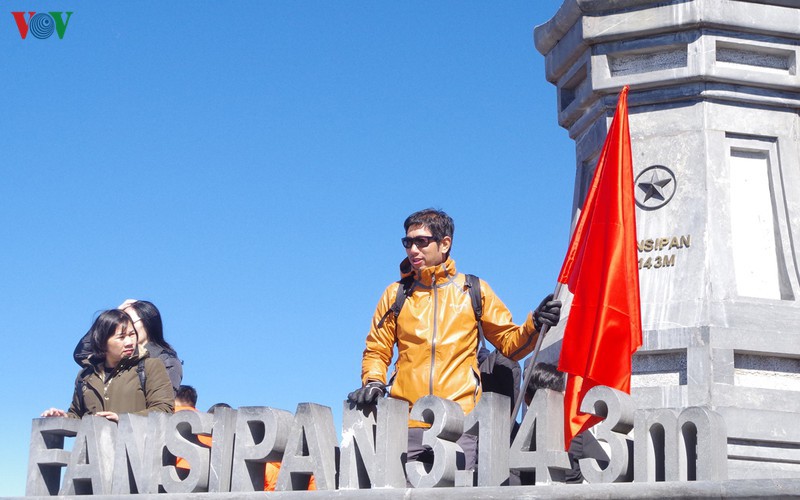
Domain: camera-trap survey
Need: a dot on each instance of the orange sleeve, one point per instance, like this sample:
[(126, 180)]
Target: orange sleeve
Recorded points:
[(205, 440), (271, 475), (380, 340)]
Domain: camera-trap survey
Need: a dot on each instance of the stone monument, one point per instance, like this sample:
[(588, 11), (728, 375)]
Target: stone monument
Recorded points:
[(713, 108)]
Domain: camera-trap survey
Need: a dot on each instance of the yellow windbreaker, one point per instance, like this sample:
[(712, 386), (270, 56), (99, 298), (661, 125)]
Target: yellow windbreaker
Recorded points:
[(437, 338)]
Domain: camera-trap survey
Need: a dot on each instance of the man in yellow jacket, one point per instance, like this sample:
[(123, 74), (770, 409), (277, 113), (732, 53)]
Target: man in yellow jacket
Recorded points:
[(436, 332)]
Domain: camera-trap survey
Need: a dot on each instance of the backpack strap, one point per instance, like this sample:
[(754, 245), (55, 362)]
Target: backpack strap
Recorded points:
[(142, 376), (79, 386), (405, 288), (473, 284)]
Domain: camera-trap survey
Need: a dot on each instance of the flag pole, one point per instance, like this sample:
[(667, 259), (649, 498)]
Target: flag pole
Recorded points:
[(528, 372)]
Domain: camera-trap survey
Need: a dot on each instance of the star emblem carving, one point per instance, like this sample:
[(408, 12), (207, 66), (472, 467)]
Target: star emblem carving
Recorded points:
[(655, 187)]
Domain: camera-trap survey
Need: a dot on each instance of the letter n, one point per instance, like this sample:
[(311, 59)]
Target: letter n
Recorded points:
[(139, 453), (374, 440)]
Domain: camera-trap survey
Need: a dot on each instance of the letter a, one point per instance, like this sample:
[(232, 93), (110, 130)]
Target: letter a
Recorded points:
[(22, 25), (61, 24)]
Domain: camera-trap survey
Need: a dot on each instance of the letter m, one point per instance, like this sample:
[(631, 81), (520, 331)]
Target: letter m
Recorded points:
[(691, 446), (22, 24)]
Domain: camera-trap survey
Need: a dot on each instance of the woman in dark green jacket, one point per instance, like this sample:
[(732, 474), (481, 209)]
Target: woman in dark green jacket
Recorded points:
[(147, 321), (118, 376)]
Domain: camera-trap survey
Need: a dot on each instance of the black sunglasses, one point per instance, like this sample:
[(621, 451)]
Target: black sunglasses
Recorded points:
[(420, 241)]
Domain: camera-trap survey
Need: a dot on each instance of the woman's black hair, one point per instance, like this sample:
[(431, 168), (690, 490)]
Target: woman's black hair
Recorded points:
[(546, 376), (151, 320), (103, 328)]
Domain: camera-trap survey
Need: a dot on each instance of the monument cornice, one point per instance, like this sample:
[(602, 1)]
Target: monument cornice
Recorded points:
[(602, 20), (696, 50)]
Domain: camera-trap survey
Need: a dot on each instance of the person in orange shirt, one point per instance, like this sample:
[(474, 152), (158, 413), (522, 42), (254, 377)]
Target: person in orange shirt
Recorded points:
[(271, 477), (434, 339), (186, 399)]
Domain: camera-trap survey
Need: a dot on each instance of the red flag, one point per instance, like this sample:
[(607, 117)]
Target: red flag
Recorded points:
[(604, 328)]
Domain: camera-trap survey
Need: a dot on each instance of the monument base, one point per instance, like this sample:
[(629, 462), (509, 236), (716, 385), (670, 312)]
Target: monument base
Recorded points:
[(742, 489)]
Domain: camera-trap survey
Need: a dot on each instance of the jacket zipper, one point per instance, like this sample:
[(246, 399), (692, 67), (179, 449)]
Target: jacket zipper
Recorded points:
[(433, 340), (106, 385)]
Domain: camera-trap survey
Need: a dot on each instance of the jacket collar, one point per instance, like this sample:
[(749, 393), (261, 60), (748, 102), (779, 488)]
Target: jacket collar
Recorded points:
[(98, 364), (444, 271)]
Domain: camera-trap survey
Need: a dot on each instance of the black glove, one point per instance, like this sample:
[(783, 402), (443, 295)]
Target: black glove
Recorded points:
[(548, 313), (368, 394)]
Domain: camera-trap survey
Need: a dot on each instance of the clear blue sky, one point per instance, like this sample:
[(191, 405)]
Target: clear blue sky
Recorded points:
[(247, 167)]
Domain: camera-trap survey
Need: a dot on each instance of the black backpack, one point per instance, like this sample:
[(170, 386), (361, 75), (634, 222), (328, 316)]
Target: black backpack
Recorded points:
[(407, 287)]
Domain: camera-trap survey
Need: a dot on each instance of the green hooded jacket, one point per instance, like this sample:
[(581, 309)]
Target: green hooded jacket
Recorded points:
[(121, 391)]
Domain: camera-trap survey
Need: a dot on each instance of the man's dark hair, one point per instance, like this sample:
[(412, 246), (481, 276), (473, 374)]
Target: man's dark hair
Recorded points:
[(439, 223), (187, 393), (545, 376), (217, 405)]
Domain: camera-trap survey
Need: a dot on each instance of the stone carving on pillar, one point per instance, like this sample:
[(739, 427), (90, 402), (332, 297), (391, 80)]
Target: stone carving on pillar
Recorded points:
[(136, 455), (182, 442), (447, 423), (656, 451), (87, 472), (310, 449), (489, 421), (539, 444), (222, 443), (261, 434), (672, 447), (703, 445), (374, 444), (46, 456), (139, 452), (616, 409)]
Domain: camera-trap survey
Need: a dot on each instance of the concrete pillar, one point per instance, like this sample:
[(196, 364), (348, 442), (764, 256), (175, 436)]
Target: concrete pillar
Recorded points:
[(713, 108)]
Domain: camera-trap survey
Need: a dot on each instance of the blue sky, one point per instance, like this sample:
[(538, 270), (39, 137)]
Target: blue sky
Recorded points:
[(247, 167)]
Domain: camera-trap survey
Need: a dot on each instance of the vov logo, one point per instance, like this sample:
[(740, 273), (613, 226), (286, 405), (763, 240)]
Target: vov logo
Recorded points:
[(41, 25)]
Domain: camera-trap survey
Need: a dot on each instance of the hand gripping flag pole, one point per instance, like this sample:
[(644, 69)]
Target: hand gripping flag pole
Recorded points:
[(528, 372)]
